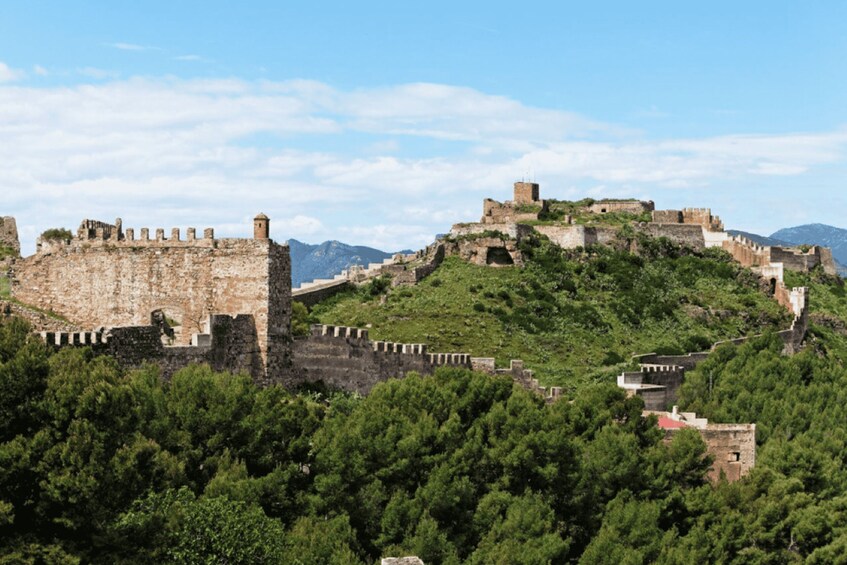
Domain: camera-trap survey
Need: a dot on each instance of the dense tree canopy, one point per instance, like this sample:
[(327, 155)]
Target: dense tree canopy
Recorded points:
[(102, 465)]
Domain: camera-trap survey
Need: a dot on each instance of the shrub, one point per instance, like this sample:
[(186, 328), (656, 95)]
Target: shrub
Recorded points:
[(57, 234)]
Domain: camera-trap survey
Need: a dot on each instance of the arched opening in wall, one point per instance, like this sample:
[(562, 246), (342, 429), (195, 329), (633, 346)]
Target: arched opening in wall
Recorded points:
[(602, 210), (498, 256), (773, 286)]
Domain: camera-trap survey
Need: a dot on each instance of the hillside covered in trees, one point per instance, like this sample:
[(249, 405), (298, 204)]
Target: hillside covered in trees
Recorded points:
[(102, 465)]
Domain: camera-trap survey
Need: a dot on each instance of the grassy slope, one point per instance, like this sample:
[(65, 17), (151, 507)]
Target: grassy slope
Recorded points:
[(573, 319)]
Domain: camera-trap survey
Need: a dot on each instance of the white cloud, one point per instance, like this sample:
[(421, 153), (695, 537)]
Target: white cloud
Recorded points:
[(301, 225), (188, 58), (220, 150), (40, 71), (132, 47), (8, 74)]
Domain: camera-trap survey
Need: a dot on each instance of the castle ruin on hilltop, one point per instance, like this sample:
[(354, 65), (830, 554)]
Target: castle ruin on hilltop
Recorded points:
[(156, 298)]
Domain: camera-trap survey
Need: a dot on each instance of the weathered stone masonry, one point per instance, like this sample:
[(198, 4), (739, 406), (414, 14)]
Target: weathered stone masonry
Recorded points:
[(228, 344), (105, 277), (344, 357), (9, 233)]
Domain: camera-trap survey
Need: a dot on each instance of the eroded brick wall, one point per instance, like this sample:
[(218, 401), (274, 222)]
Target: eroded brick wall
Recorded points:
[(106, 281)]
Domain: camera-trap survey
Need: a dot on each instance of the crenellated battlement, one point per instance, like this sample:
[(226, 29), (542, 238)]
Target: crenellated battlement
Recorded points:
[(93, 234), (345, 332), (229, 344)]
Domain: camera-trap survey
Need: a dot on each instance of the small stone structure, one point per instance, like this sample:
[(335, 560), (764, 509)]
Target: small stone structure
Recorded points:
[(401, 561), (525, 206), (8, 239), (691, 216), (9, 234), (733, 446), (628, 206)]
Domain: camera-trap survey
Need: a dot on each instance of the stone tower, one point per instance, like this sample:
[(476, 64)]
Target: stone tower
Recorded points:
[(261, 227), (526, 193)]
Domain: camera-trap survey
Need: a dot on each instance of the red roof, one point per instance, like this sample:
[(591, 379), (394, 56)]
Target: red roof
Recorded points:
[(668, 424)]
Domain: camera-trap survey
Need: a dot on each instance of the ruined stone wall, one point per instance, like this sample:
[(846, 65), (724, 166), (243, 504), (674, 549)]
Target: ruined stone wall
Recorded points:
[(683, 234), (630, 206), (693, 216), (92, 229), (795, 259), (512, 229), (702, 217), (9, 234), (751, 254), (109, 281), (230, 345), (344, 358), (413, 275), (667, 216), (491, 251), (571, 237), (733, 447)]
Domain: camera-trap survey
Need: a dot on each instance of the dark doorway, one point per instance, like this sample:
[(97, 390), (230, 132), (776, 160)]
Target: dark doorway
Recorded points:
[(498, 256)]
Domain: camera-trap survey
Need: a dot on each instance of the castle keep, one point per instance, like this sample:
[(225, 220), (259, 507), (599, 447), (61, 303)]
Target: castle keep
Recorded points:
[(107, 276)]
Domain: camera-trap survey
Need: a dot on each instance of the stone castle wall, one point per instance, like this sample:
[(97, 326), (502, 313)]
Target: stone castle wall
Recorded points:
[(751, 254), (692, 216), (629, 206), (682, 234), (344, 358), (573, 236), (230, 344), (106, 278)]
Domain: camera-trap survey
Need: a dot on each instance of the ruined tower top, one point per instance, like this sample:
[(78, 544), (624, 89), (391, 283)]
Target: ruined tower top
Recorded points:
[(526, 193), (261, 227)]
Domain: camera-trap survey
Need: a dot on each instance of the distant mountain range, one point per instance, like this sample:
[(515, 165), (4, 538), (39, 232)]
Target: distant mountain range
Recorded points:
[(327, 259), (808, 234)]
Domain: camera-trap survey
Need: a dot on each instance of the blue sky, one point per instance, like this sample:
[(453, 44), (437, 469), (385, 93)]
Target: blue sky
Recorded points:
[(384, 123)]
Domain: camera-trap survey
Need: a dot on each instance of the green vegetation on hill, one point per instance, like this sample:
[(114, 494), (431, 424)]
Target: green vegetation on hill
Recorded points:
[(98, 465), (558, 209), (572, 316), (6, 251)]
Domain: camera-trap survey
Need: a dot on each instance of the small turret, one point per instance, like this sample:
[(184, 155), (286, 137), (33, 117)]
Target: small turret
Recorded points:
[(261, 227)]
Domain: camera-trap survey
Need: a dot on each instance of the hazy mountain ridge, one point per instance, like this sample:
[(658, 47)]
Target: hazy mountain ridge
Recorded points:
[(327, 259)]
